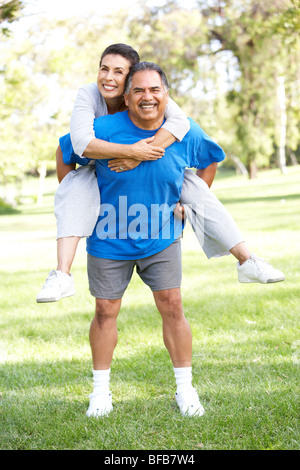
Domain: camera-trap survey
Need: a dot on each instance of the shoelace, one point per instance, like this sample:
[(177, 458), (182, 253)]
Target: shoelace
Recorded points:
[(262, 263), (51, 275)]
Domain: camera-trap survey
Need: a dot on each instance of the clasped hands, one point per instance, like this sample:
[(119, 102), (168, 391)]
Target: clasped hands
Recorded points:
[(138, 152)]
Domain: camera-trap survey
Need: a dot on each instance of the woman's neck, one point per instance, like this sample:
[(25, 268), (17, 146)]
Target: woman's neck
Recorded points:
[(115, 105)]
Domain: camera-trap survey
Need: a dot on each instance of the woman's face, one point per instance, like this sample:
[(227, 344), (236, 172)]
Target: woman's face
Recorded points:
[(112, 75)]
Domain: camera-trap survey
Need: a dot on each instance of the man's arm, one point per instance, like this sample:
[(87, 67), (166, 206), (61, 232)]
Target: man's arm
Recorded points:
[(208, 174), (61, 168)]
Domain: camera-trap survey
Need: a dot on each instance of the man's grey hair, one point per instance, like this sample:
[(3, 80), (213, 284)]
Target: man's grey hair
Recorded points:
[(140, 67)]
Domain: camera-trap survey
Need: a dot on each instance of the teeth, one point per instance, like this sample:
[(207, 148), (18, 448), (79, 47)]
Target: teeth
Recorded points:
[(108, 87)]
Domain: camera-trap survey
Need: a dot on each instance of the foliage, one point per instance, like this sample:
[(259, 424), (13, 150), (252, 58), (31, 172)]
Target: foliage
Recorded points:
[(9, 11), (223, 69)]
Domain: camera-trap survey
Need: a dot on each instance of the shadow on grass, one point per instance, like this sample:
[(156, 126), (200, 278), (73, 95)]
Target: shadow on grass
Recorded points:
[(6, 209), (249, 199)]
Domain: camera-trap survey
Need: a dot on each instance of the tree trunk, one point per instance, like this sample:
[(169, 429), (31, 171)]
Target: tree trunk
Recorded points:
[(239, 165), (281, 157), (42, 171), (294, 159), (252, 170)]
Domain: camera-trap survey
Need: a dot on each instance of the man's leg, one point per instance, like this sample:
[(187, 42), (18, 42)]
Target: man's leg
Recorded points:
[(176, 330), (103, 340), (103, 332), (178, 341), (108, 280)]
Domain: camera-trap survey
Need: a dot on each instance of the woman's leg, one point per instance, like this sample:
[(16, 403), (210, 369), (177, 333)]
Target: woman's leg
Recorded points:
[(218, 233), (66, 246), (66, 250)]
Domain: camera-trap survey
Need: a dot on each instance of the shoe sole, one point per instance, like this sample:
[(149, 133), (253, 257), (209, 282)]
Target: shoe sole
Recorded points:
[(53, 299), (96, 414), (269, 281)]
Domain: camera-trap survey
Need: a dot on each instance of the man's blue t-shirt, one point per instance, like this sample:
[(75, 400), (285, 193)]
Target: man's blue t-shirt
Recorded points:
[(136, 217)]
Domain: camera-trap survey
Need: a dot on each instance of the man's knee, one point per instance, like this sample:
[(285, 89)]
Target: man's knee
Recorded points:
[(106, 310), (169, 303)]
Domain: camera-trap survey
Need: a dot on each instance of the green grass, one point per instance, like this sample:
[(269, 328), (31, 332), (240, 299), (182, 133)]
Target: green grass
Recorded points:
[(245, 353)]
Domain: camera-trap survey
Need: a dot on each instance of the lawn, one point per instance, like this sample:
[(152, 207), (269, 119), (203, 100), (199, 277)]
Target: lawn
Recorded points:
[(246, 339)]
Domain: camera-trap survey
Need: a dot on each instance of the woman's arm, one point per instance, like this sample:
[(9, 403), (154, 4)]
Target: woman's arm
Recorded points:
[(141, 150), (89, 105), (176, 121), (175, 128)]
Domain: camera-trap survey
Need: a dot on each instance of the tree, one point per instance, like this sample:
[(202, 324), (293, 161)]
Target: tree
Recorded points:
[(234, 50), (253, 32), (9, 11)]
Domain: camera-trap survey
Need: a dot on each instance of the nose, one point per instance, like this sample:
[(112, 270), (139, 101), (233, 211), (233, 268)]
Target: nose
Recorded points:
[(147, 95), (108, 75)]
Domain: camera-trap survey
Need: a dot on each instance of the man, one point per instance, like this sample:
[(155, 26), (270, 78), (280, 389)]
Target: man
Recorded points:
[(136, 228)]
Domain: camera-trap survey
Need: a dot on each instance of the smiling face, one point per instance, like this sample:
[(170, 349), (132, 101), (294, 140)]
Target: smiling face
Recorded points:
[(147, 100), (112, 75)]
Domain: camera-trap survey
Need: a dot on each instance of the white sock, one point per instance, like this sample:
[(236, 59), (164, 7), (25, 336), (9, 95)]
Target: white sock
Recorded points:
[(183, 377), (101, 380)]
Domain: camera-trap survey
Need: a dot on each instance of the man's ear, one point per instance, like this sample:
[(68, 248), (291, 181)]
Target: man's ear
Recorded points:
[(168, 96), (126, 100)]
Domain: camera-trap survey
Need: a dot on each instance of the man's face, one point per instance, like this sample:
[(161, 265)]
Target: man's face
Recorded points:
[(147, 100)]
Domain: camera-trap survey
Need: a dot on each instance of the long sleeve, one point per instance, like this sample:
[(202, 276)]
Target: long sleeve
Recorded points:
[(176, 121), (89, 105)]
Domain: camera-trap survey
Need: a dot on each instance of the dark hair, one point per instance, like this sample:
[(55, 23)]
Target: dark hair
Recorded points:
[(124, 50), (141, 66)]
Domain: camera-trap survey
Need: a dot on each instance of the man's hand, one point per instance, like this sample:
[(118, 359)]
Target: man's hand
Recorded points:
[(179, 211), (122, 164)]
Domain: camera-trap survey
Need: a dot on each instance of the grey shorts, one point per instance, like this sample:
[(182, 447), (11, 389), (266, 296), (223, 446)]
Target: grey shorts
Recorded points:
[(109, 278)]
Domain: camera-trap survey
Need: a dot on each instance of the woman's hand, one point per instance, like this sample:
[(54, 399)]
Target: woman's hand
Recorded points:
[(122, 164), (142, 150)]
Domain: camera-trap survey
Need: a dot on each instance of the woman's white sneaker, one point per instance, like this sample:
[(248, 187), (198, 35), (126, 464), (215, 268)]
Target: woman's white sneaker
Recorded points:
[(258, 270), (100, 404), (57, 286), (189, 403)]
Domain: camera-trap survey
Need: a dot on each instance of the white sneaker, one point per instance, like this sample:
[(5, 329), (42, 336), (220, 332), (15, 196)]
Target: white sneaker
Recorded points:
[(57, 286), (258, 270), (100, 404), (189, 403)]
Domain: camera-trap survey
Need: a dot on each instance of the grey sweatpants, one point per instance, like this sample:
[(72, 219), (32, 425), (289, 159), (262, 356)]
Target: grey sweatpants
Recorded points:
[(77, 206), (214, 227), (77, 203)]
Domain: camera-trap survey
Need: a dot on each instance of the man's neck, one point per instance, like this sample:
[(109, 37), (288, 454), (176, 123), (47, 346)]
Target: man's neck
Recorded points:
[(146, 125)]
